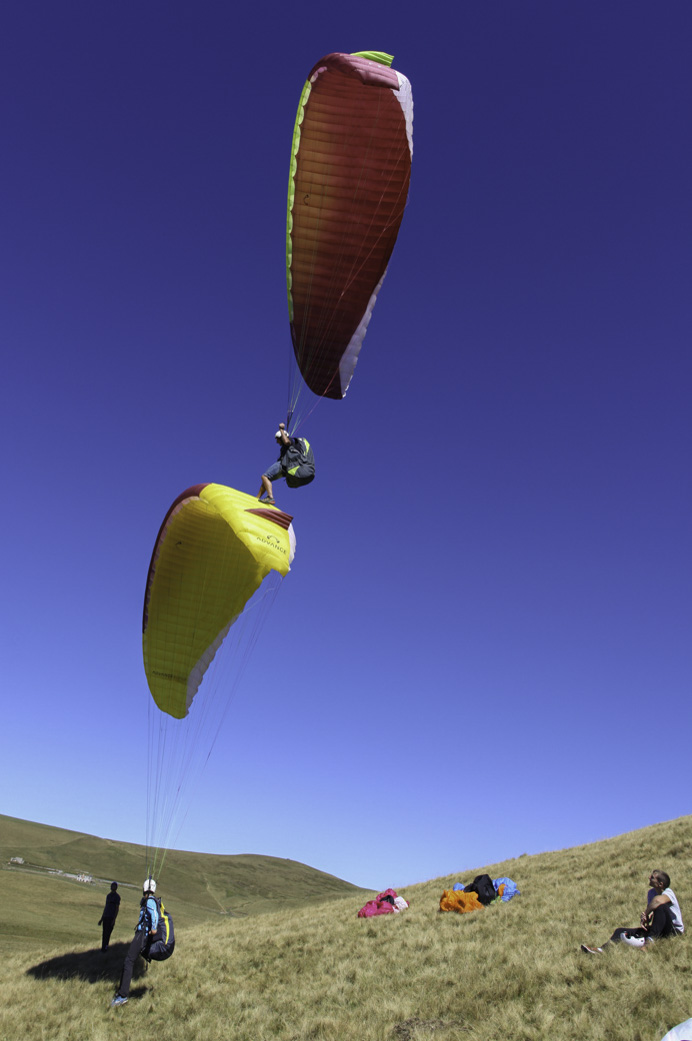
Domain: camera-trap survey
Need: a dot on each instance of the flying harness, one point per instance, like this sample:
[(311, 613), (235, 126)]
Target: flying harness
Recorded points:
[(162, 942), (298, 463)]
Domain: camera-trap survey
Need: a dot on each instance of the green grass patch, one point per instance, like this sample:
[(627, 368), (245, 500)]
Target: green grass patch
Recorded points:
[(317, 971)]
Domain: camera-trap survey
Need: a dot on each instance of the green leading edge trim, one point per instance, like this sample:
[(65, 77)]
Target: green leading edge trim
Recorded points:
[(379, 56), (295, 145)]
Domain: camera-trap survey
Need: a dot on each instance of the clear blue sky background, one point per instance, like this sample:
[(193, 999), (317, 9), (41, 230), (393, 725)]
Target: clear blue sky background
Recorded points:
[(490, 599)]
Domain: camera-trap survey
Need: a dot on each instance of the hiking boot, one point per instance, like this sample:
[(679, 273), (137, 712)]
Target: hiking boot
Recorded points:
[(118, 1000), (591, 950)]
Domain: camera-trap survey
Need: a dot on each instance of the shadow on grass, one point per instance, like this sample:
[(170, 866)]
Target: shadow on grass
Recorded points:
[(92, 966)]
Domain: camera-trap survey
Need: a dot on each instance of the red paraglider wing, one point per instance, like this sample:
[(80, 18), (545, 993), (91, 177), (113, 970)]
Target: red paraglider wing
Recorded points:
[(349, 183)]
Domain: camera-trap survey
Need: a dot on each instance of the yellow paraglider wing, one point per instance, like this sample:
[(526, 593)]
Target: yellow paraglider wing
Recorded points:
[(215, 547)]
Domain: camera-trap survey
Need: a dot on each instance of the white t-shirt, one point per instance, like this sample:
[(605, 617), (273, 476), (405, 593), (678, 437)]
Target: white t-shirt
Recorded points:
[(674, 908), (675, 911)]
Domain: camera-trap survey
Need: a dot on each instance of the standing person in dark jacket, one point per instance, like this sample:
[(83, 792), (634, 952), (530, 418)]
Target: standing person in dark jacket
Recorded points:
[(110, 913), (146, 928)]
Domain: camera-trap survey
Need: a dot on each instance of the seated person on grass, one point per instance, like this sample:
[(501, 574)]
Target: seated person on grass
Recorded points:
[(661, 918)]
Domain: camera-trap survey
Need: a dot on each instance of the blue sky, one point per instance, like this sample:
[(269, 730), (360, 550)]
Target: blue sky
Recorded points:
[(483, 646)]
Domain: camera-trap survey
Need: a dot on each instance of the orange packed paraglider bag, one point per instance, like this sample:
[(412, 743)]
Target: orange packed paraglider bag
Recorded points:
[(458, 900)]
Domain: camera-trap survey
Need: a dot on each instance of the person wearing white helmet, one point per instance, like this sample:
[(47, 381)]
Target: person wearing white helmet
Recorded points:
[(296, 463), (145, 929)]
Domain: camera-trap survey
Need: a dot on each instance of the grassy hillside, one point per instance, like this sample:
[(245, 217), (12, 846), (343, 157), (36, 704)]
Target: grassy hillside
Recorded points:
[(318, 972), (41, 908)]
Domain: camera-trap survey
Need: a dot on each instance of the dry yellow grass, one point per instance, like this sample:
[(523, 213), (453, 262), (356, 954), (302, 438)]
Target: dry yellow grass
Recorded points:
[(511, 971)]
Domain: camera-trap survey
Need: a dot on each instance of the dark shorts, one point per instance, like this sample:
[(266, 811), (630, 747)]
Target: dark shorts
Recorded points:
[(274, 472)]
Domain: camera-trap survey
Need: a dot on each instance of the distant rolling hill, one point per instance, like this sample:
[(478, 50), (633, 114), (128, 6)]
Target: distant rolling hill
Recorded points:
[(43, 896)]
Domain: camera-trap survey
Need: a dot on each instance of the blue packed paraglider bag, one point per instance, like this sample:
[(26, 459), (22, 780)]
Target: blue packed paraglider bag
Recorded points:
[(511, 889)]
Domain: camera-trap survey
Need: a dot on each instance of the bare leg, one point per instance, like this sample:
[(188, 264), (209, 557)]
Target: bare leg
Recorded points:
[(266, 487)]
